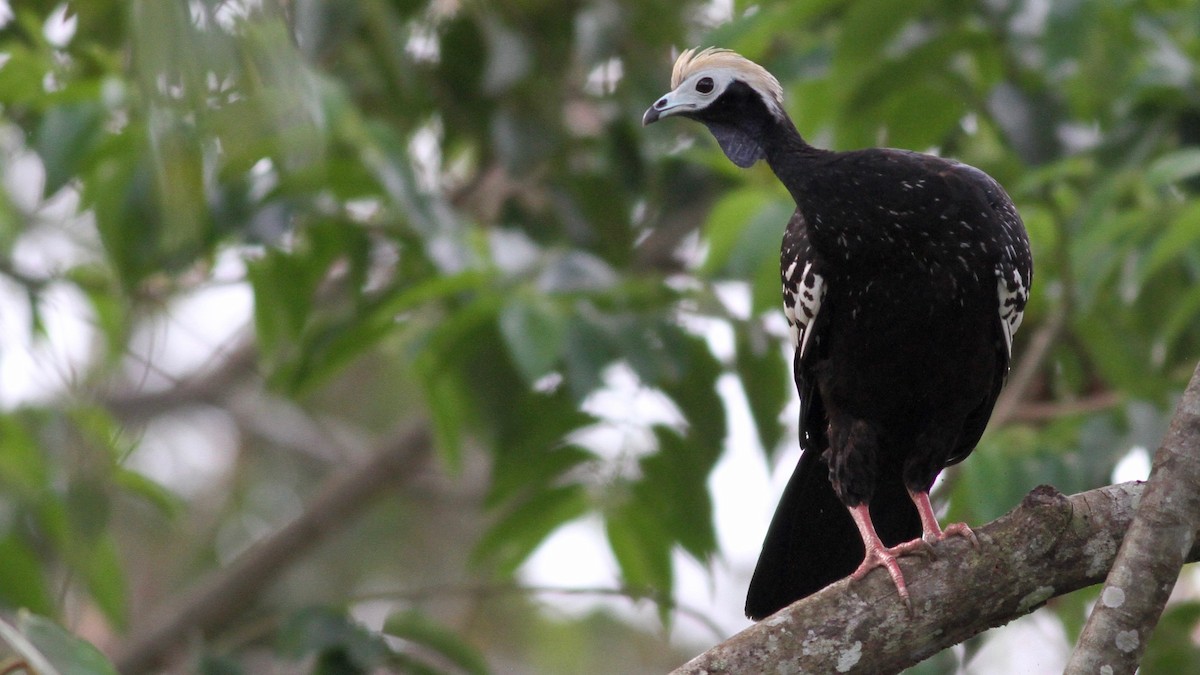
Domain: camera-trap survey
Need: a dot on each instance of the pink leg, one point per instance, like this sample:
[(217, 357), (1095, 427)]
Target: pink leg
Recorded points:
[(878, 555), (932, 532)]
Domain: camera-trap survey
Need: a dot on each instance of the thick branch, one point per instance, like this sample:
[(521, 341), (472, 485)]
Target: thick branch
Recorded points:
[(1148, 563), (1048, 546), (233, 589)]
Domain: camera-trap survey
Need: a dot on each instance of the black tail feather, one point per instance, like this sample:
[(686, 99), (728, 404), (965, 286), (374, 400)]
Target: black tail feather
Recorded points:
[(812, 541)]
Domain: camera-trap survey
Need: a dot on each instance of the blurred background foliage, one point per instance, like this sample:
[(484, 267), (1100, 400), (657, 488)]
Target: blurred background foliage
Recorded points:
[(244, 244)]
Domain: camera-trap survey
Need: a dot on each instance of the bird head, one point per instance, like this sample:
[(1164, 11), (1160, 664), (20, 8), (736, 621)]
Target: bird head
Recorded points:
[(728, 93)]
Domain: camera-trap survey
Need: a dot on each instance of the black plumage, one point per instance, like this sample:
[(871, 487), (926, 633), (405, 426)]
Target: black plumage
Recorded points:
[(904, 277)]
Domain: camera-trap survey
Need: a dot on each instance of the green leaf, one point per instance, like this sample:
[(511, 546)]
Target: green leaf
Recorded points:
[(449, 408), (88, 506), (23, 467), (334, 345), (589, 350), (866, 31), (765, 287), (642, 547), (284, 288), (110, 307), (1182, 318), (766, 380), (674, 487), (1174, 167), (531, 437), (1180, 239), (66, 136), (434, 289), (411, 665), (1011, 461), (1073, 610), (66, 653), (924, 114), (386, 156), (416, 627), (22, 79), (149, 490), (1172, 649), (529, 467), (1117, 349), (331, 635), (744, 229), (120, 190), (311, 321), (693, 388), (218, 664), (24, 584), (450, 383), (23, 646), (511, 540), (534, 331), (106, 579), (914, 95)]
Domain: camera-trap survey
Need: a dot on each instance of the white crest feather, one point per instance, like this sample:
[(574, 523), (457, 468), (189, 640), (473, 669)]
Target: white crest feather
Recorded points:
[(693, 61)]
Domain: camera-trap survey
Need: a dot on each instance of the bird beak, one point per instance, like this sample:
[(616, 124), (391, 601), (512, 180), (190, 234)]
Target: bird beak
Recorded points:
[(665, 107)]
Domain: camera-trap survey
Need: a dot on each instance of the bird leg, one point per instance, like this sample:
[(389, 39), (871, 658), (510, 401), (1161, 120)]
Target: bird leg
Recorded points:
[(932, 532), (879, 555)]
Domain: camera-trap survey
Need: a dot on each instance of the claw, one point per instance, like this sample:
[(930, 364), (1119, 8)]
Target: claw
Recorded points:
[(878, 555), (962, 530), (917, 546)]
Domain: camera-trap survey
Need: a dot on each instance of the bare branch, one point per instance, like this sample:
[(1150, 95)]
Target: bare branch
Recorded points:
[(210, 386), (1152, 553), (1048, 546), (236, 587), (1044, 411)]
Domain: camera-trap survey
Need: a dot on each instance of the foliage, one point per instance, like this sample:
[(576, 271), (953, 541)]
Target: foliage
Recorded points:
[(447, 214), (44, 647)]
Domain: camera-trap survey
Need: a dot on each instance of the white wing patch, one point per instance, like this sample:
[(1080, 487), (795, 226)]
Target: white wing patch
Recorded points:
[(802, 296), (1014, 293)]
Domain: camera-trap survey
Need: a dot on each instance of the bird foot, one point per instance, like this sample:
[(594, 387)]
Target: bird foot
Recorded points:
[(962, 530), (958, 529), (880, 556), (931, 532)]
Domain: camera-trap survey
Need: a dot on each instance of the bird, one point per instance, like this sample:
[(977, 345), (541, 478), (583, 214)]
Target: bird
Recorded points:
[(904, 278)]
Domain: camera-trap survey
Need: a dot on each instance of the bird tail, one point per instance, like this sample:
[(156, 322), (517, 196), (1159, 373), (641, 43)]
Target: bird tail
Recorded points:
[(813, 542)]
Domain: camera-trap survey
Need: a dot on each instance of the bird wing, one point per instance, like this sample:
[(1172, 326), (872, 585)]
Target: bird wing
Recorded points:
[(1014, 274), (803, 293), (811, 541), (803, 285), (1014, 267)]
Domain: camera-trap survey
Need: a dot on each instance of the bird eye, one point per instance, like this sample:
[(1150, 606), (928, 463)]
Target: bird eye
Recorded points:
[(704, 85)]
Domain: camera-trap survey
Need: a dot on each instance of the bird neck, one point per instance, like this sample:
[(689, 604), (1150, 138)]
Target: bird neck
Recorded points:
[(789, 155)]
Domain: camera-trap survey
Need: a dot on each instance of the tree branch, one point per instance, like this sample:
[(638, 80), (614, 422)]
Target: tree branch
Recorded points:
[(1152, 553), (229, 591), (1048, 546), (1045, 411), (210, 386)]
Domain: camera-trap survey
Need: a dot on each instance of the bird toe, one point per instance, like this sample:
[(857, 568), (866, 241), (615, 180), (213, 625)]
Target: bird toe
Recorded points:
[(962, 530)]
